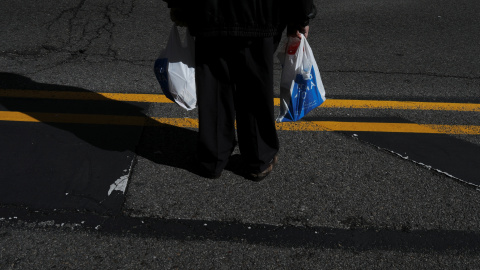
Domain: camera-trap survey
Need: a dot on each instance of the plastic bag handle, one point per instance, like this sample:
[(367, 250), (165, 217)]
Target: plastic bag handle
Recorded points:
[(174, 39)]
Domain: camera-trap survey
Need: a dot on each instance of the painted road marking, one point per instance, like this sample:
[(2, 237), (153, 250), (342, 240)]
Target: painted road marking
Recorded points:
[(72, 118), (193, 123), (379, 127), (151, 98), (329, 103), (401, 105)]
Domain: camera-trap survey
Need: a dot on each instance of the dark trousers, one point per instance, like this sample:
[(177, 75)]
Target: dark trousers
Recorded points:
[(234, 78)]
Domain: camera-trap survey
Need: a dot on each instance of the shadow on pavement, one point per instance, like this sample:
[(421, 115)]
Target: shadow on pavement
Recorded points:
[(443, 153), (353, 238), (78, 166)]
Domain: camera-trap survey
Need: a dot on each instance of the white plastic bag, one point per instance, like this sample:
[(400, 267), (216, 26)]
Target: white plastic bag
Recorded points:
[(301, 88), (175, 69)]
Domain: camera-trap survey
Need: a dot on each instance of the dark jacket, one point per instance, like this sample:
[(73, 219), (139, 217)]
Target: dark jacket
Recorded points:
[(247, 18)]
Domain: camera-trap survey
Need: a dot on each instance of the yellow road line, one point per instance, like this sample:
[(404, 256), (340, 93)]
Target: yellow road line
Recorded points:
[(73, 118), (379, 127), (178, 122), (329, 103), (193, 123), (152, 98), (400, 105), (397, 105)]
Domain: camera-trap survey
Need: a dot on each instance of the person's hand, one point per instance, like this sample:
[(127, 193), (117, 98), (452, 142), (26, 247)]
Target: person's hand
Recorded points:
[(296, 32), (178, 17), (304, 31)]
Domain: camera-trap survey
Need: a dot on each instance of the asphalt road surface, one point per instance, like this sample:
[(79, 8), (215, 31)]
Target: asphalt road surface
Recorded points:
[(96, 166)]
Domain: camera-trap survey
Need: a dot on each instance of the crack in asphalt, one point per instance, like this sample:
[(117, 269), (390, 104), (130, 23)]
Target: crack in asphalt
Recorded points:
[(82, 36), (73, 11), (84, 32)]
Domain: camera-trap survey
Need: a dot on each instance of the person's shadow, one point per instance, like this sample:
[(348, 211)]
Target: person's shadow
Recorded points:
[(59, 145)]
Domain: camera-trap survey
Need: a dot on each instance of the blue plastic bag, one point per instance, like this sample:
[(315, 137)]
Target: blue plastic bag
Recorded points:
[(301, 87)]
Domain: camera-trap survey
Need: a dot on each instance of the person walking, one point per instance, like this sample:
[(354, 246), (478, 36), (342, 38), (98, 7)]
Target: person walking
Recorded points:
[(235, 41)]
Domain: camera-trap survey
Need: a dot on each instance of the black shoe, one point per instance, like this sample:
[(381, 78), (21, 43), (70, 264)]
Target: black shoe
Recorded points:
[(260, 176)]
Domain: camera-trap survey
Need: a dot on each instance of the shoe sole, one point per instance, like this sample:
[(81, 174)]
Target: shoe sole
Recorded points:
[(260, 176)]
